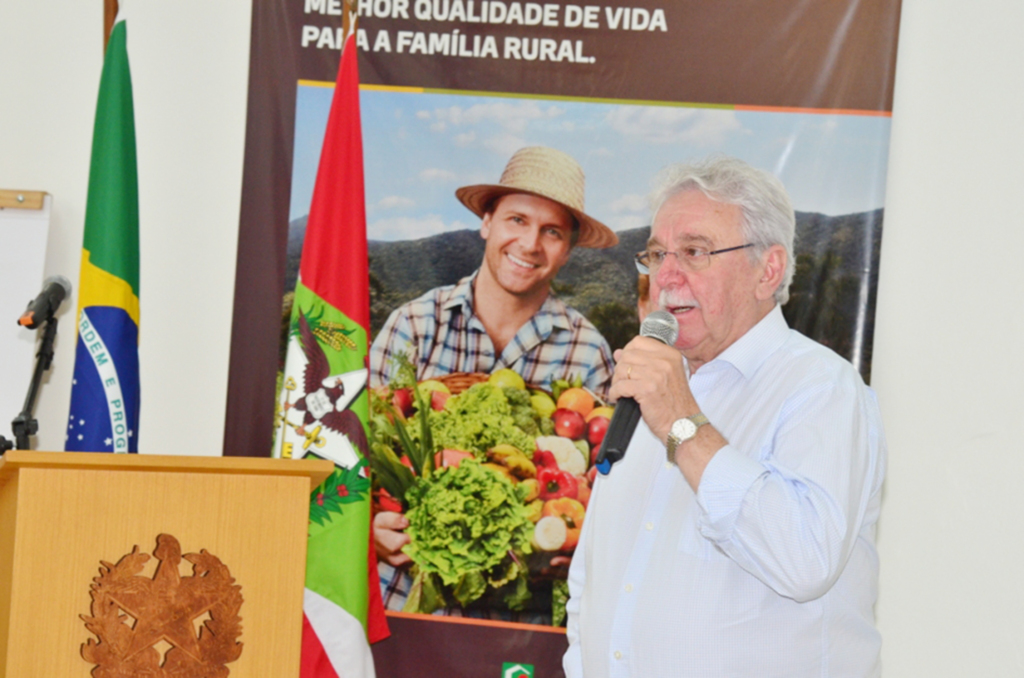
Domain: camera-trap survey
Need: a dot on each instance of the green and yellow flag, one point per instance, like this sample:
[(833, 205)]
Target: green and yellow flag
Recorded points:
[(105, 386)]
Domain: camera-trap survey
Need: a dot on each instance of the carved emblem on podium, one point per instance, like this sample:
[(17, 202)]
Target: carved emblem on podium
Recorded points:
[(167, 624)]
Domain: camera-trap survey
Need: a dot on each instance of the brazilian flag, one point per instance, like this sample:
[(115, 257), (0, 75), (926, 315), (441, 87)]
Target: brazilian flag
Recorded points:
[(105, 388)]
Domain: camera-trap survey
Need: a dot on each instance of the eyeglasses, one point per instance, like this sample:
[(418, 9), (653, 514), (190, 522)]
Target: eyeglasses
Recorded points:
[(691, 258)]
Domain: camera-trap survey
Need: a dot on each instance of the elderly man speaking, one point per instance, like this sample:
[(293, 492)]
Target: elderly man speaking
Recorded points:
[(736, 537)]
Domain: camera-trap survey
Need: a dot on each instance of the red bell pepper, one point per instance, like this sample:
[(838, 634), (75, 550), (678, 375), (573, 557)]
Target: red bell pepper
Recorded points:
[(555, 483), (544, 459)]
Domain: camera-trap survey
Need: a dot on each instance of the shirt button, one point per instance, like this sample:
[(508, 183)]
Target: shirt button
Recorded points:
[(618, 655), (629, 588), (649, 526)]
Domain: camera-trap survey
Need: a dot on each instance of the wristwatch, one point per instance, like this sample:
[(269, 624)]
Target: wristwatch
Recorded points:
[(681, 431)]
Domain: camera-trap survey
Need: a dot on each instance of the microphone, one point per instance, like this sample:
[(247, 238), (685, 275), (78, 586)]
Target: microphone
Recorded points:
[(664, 327), (55, 289)]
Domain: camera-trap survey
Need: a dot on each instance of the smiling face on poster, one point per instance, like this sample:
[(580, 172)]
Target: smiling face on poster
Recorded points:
[(528, 240)]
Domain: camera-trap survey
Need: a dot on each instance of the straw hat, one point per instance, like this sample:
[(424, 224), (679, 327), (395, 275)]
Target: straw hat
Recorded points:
[(546, 173)]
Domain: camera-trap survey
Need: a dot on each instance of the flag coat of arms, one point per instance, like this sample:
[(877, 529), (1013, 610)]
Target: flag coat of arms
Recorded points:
[(104, 413), (324, 402)]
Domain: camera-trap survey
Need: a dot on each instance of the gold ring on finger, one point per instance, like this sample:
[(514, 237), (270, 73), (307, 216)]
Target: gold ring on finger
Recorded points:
[(629, 372)]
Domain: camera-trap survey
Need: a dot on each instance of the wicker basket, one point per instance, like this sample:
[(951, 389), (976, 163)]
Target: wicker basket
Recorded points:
[(457, 382)]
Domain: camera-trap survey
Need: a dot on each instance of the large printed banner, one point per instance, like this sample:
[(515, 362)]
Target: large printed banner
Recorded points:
[(451, 90)]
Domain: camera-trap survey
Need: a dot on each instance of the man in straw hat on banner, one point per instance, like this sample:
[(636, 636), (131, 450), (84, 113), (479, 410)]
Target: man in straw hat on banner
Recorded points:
[(503, 315)]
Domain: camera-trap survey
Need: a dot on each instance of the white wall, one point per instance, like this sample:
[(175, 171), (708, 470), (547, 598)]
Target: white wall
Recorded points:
[(947, 365), (949, 349), (189, 63)]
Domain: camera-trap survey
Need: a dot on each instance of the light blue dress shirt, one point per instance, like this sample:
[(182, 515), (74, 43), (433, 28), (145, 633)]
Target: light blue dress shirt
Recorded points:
[(770, 568)]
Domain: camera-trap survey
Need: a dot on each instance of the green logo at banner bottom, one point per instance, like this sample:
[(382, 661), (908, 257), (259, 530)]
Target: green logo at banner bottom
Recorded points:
[(511, 670)]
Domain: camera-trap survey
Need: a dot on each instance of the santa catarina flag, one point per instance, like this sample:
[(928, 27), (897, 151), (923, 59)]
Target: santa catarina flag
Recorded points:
[(324, 402), (105, 386)]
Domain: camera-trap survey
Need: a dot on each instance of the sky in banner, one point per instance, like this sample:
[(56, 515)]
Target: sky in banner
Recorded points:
[(420, 147)]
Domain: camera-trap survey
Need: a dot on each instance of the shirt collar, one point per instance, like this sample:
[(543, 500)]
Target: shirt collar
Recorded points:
[(556, 309), (461, 296), (552, 314), (748, 352)]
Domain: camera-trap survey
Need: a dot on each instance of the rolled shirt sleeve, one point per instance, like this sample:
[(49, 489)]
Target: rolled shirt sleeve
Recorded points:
[(791, 513)]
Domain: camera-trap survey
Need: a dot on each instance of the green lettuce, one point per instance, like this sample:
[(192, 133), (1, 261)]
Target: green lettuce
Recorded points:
[(469, 530), (476, 420)]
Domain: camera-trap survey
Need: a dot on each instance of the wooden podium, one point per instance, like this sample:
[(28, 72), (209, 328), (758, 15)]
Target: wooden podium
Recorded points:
[(61, 513)]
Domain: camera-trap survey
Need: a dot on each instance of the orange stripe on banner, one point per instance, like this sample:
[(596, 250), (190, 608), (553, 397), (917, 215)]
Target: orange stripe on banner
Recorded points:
[(540, 628), (362, 87), (625, 102), (817, 111), (391, 88)]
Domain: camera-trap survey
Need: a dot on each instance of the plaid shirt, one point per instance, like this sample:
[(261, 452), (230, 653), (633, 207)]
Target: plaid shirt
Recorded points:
[(442, 335)]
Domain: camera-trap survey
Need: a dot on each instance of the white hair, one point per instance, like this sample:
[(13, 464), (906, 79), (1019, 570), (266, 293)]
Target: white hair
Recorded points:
[(768, 218)]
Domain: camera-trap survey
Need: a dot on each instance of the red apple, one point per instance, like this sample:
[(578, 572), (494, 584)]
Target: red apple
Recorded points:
[(569, 423), (438, 399), (402, 400), (596, 429)]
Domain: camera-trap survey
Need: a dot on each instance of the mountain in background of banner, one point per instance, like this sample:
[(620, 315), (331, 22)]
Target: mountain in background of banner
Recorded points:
[(324, 403), (832, 253), (105, 388)]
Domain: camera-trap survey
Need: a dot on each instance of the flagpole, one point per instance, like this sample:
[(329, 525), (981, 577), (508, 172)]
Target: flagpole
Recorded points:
[(110, 9)]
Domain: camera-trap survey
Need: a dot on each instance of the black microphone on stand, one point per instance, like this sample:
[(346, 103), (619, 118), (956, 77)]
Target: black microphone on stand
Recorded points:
[(40, 311), (56, 288), (664, 327)]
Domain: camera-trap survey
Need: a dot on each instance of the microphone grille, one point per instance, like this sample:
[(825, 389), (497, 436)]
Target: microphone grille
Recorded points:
[(660, 325), (60, 280)]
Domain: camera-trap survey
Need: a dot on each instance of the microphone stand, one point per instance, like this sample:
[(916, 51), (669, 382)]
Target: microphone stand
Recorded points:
[(25, 424)]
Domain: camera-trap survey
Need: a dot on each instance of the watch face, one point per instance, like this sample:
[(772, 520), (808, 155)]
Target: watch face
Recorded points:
[(684, 429)]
